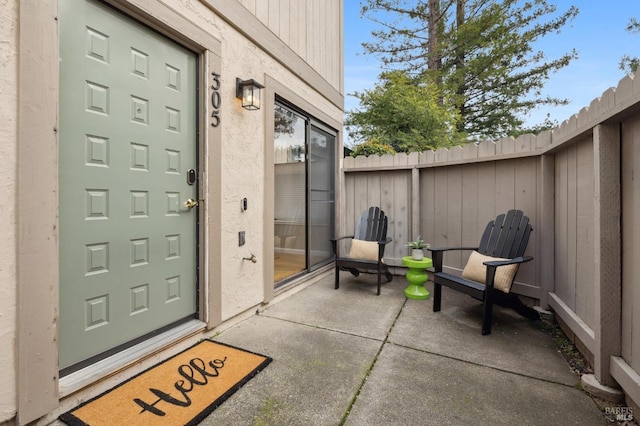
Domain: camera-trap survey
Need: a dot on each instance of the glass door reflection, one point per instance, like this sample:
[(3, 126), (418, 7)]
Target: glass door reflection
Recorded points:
[(304, 164), (290, 243), (321, 160)]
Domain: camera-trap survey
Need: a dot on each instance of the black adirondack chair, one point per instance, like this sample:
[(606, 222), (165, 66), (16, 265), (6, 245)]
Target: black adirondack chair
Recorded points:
[(505, 237), (372, 227)]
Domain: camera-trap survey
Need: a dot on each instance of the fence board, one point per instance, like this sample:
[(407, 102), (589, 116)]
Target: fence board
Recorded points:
[(545, 227), (561, 231), (347, 206), (401, 212), (427, 205), (585, 292), (361, 197), (359, 204), (525, 199), (570, 221), (453, 222), (373, 189), (441, 238), (486, 195), (387, 202), (471, 228), (504, 186)]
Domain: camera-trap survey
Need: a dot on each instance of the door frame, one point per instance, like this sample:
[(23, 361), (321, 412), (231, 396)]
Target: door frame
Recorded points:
[(38, 386), (275, 87), (310, 123)]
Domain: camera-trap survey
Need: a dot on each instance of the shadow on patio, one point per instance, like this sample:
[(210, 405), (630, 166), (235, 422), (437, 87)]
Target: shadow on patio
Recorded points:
[(350, 357)]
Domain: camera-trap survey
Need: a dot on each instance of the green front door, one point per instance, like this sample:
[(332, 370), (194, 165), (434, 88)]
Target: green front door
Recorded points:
[(128, 255)]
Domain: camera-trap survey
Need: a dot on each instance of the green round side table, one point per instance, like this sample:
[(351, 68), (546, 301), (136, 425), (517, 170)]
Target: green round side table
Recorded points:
[(417, 276)]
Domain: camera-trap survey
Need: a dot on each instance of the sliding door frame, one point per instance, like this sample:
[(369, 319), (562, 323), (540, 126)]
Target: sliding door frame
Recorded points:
[(276, 90)]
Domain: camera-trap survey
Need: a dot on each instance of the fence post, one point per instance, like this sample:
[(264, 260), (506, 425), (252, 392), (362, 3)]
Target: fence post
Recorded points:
[(607, 250), (546, 246)]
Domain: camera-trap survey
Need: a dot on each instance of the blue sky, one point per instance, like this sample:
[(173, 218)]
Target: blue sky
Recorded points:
[(597, 33)]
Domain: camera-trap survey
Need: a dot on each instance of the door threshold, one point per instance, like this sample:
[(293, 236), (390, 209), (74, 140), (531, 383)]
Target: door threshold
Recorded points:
[(104, 368)]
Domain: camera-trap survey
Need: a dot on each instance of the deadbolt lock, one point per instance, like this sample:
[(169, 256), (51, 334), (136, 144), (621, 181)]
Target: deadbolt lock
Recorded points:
[(192, 176)]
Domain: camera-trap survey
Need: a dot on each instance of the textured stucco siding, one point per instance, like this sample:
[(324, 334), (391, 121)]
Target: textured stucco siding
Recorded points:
[(243, 160)]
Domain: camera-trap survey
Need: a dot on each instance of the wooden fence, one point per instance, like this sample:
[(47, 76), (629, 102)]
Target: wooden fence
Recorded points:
[(576, 183)]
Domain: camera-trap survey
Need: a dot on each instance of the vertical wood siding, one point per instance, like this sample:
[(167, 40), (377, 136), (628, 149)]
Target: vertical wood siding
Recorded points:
[(574, 222), (311, 28)]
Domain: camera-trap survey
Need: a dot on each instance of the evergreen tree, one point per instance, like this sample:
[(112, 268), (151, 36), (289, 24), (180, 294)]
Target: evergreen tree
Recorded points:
[(405, 113), (483, 54), (629, 64), (371, 147)]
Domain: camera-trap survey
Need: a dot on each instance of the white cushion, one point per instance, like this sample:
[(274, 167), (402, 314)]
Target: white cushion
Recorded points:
[(365, 250), (476, 271)]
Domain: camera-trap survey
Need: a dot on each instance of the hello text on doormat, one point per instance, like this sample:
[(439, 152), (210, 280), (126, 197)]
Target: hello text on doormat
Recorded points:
[(182, 390)]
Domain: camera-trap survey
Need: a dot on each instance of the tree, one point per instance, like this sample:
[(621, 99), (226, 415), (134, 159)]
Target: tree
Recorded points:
[(405, 113), (547, 124), (483, 55), (629, 64), (372, 147), (285, 121)]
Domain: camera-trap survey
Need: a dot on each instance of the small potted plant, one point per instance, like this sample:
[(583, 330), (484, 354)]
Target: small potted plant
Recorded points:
[(416, 247)]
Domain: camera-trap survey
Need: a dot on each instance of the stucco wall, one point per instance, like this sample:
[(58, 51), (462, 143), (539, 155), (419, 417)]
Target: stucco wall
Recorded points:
[(242, 162), (8, 152)]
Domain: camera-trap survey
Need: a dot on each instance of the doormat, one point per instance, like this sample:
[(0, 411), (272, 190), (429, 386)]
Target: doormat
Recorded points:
[(181, 390)]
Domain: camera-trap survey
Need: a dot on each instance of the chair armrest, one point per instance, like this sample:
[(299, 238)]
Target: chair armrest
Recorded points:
[(451, 248), (334, 243), (340, 238), (437, 253), (496, 263), (492, 266), (381, 245)]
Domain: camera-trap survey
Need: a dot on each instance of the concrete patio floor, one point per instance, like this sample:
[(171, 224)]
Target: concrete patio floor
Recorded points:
[(350, 357)]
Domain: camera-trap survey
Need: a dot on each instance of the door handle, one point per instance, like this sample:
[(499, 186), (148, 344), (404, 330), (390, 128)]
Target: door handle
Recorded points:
[(191, 203)]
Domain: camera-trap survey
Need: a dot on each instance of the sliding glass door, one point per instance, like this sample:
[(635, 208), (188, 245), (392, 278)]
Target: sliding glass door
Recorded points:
[(304, 179), (290, 193), (321, 195)]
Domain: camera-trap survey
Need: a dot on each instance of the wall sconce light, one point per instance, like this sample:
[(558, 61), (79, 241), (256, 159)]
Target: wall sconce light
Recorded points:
[(249, 92)]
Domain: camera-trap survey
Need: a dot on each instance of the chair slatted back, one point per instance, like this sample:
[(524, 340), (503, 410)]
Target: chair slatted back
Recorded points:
[(506, 236), (372, 225)]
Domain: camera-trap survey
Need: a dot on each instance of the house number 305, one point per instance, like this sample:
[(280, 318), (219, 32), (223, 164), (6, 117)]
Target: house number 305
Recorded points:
[(215, 99)]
